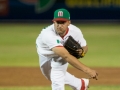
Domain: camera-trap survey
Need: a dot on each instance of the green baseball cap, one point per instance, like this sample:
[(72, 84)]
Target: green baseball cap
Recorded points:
[(61, 15)]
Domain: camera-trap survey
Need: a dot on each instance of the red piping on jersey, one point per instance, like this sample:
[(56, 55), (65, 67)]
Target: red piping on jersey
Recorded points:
[(59, 46), (65, 33), (83, 84)]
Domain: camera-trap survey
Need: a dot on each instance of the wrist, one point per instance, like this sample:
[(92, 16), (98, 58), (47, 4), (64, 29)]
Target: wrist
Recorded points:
[(87, 70)]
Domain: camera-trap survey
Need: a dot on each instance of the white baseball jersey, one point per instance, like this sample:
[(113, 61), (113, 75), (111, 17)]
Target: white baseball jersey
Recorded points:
[(48, 38)]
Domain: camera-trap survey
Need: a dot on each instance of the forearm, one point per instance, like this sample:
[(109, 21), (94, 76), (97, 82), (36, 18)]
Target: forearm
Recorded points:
[(76, 63), (62, 52)]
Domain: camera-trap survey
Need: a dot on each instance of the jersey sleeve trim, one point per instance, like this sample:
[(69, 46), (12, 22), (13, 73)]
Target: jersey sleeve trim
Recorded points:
[(59, 46)]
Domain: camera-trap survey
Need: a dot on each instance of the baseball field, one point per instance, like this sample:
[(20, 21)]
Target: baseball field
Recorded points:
[(19, 65)]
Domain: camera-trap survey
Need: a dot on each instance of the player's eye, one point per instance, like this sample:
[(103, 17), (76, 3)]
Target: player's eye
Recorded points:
[(60, 22)]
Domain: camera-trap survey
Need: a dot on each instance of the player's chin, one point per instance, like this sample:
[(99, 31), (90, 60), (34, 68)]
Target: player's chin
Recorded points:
[(59, 32)]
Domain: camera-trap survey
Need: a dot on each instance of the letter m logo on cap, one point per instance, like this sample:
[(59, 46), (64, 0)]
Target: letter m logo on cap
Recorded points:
[(60, 13)]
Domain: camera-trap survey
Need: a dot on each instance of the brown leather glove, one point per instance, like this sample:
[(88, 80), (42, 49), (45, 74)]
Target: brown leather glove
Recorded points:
[(73, 47)]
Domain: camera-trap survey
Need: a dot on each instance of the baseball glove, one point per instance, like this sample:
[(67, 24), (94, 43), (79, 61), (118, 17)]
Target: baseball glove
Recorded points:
[(72, 46)]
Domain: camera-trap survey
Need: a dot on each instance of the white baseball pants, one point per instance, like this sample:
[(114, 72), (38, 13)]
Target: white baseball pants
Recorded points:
[(59, 76)]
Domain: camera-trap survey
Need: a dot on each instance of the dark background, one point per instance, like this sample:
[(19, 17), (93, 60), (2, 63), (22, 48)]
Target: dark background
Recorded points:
[(79, 9)]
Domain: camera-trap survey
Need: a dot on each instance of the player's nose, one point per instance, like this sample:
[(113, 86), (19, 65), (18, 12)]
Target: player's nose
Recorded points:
[(60, 25)]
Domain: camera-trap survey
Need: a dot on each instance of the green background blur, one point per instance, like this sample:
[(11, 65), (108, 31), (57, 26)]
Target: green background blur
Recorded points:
[(18, 48)]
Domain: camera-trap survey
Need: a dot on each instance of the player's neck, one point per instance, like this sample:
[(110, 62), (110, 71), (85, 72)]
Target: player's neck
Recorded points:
[(62, 35)]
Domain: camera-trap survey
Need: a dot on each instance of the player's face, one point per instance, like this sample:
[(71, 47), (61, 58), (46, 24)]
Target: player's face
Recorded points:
[(61, 27)]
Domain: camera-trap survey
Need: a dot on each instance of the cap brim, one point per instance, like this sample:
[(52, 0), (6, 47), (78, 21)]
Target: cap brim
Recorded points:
[(60, 19)]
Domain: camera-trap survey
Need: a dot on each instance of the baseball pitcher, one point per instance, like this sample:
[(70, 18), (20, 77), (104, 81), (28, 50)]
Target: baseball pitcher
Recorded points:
[(58, 45)]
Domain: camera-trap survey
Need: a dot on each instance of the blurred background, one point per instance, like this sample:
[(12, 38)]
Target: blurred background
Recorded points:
[(37, 10), (21, 22)]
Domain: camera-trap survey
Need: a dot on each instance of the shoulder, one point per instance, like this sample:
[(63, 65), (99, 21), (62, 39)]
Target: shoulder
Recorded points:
[(74, 28), (48, 30)]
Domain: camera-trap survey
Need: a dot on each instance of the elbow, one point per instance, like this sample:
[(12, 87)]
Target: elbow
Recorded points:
[(85, 49), (66, 57)]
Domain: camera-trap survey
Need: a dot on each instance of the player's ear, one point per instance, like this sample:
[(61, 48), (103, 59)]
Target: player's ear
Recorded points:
[(53, 21), (69, 22)]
